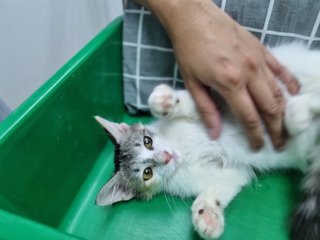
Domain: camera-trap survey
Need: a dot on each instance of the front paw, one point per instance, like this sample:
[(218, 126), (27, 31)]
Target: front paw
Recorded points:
[(162, 101), (207, 218)]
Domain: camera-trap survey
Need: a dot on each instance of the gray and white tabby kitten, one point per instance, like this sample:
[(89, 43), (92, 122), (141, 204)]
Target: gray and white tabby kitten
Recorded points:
[(170, 154)]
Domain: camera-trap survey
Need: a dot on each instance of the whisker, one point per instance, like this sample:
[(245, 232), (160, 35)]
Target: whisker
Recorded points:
[(174, 202), (184, 202), (179, 193), (165, 196)]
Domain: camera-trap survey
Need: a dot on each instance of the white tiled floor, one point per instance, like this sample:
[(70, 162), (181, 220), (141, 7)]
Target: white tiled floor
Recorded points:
[(39, 36)]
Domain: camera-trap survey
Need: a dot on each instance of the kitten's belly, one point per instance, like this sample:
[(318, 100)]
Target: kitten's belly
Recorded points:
[(190, 138), (192, 141), (297, 152)]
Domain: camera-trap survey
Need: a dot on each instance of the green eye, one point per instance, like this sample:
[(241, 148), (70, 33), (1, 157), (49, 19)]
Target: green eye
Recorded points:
[(147, 174), (147, 141)]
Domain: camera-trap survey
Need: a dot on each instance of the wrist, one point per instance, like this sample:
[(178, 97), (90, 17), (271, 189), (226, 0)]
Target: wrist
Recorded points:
[(177, 15), (163, 9)]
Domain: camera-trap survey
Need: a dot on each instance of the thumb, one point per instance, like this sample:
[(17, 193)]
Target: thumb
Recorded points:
[(206, 107)]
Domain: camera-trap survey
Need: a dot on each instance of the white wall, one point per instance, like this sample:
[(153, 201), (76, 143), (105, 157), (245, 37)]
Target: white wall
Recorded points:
[(38, 36)]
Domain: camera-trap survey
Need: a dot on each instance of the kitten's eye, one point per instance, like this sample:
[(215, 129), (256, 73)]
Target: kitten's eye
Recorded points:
[(147, 141), (147, 174)]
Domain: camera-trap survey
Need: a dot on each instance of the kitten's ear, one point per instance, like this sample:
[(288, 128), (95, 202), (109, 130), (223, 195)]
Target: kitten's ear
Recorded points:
[(115, 130), (113, 192)]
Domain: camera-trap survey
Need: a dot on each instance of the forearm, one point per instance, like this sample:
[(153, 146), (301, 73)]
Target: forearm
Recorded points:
[(176, 16)]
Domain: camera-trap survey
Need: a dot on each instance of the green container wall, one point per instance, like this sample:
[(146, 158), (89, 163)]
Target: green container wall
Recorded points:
[(54, 158)]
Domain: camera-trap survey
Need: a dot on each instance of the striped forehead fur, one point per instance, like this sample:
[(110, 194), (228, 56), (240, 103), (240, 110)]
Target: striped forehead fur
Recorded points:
[(125, 151)]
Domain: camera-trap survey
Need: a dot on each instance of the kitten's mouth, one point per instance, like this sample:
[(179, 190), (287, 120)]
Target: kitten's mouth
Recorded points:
[(176, 156)]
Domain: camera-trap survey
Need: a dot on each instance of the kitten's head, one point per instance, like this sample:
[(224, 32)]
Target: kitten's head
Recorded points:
[(144, 163)]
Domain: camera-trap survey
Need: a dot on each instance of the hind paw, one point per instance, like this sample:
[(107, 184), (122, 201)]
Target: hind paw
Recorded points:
[(207, 219)]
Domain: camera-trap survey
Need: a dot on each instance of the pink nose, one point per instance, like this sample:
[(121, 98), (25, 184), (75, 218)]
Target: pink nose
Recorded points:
[(167, 157)]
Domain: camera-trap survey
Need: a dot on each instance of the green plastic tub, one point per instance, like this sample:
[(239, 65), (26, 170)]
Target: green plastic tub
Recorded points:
[(54, 158)]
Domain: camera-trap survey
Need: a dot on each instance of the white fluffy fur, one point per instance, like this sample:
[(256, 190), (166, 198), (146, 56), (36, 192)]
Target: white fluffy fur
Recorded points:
[(215, 171), (186, 162)]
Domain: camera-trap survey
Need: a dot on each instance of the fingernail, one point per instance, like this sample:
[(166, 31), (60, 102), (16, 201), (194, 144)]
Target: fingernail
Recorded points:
[(281, 148), (213, 133), (280, 145), (256, 145), (296, 86)]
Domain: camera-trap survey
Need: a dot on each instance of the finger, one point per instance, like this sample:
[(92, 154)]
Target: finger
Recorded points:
[(206, 107), (270, 103), (243, 107), (282, 73), (278, 132)]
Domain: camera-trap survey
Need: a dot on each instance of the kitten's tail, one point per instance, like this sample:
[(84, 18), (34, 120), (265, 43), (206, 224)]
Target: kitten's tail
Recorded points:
[(305, 223)]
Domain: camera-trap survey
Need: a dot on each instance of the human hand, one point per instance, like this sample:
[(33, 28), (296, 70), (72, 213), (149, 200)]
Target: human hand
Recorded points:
[(214, 51)]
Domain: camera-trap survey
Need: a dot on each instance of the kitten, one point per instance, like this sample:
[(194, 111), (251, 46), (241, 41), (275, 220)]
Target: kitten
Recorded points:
[(172, 153)]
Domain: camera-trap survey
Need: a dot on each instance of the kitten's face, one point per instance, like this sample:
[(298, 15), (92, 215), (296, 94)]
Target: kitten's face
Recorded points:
[(144, 164)]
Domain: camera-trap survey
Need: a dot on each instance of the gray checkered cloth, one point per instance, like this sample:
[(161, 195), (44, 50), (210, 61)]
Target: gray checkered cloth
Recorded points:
[(148, 57)]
